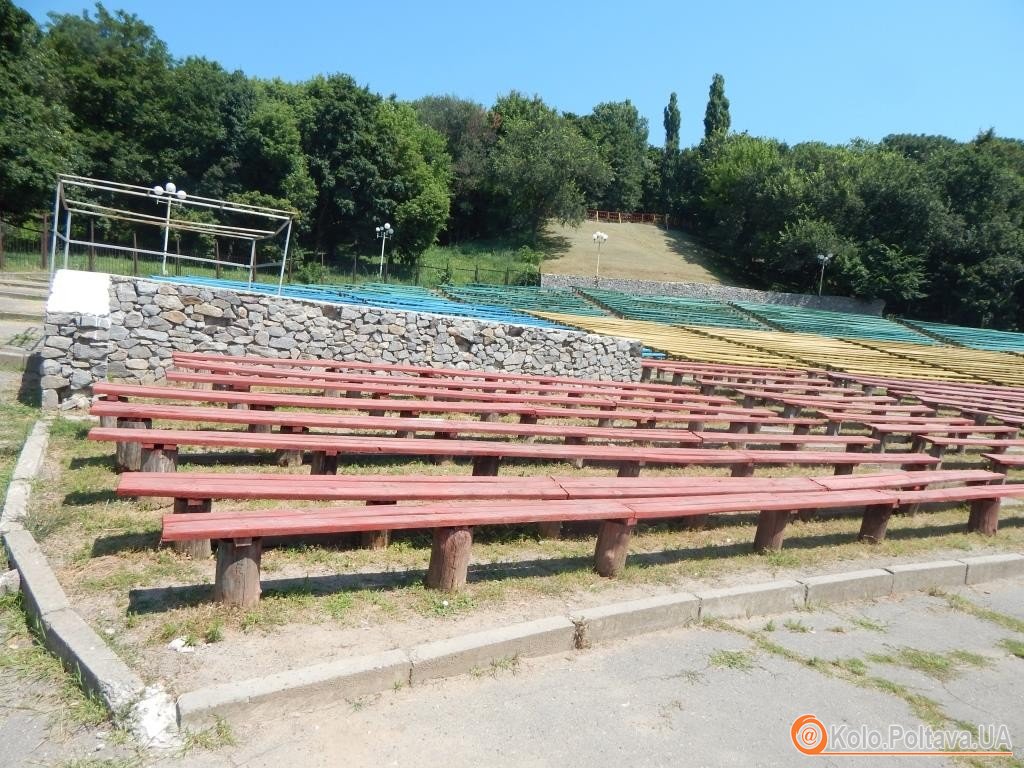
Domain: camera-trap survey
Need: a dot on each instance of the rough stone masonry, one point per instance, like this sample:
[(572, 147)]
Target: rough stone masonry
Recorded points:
[(148, 320)]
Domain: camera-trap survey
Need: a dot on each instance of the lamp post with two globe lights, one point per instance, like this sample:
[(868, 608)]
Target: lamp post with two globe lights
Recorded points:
[(600, 238), (383, 233), (169, 193), (823, 258)]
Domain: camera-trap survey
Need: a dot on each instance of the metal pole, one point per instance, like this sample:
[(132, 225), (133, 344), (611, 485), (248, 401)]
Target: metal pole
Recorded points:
[(383, 240), (821, 282), (598, 273), (284, 258), (167, 235), (56, 220), (67, 238), (252, 263)]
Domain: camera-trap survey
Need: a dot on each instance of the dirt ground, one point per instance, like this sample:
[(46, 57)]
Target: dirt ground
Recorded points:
[(637, 251)]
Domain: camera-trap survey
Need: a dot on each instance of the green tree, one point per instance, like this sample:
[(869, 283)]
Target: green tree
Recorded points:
[(469, 138), (620, 133), (418, 172), (117, 83), (36, 138), (206, 153), (672, 122), (716, 116), (271, 160), (541, 166), (338, 125)]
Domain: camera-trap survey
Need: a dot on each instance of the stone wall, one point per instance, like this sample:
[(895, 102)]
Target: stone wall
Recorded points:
[(725, 293), (149, 320)]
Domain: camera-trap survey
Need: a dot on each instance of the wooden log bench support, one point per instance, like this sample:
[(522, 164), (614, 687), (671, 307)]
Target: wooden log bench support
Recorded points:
[(323, 463), (376, 539), (128, 455), (260, 407), (237, 582), (159, 457), (612, 547), (449, 558), (486, 466), (874, 523), (197, 549), (771, 529), (290, 458)]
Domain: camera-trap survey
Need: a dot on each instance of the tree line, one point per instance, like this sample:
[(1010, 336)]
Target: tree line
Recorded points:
[(931, 225)]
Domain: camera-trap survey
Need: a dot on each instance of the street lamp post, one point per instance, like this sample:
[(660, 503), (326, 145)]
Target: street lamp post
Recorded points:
[(600, 238), (169, 193), (383, 233), (824, 258)]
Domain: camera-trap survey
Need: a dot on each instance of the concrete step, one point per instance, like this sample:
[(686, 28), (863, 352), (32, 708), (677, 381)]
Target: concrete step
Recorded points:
[(9, 291), (22, 309), (19, 339), (30, 279)]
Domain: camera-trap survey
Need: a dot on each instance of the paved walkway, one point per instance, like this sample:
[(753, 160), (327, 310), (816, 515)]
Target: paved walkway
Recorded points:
[(721, 695), (716, 696)]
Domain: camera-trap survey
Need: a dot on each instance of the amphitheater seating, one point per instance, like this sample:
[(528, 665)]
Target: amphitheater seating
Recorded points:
[(832, 324), (398, 298), (523, 298), (240, 533), (974, 338), (671, 310)]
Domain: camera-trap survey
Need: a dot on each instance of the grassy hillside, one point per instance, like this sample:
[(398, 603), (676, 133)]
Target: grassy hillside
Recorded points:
[(639, 251)]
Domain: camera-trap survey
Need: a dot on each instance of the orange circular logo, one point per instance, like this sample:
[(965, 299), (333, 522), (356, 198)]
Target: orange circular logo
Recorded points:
[(809, 735)]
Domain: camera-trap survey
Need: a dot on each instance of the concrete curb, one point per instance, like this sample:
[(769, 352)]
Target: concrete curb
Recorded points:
[(323, 683), (347, 678), (148, 712), (25, 470), (991, 567), (457, 655)]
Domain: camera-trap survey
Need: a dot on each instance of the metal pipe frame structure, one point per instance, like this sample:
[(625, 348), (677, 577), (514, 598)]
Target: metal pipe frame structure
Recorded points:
[(278, 221)]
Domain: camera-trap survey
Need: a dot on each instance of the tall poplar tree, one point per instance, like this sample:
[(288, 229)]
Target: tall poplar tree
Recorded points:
[(716, 117), (672, 126)]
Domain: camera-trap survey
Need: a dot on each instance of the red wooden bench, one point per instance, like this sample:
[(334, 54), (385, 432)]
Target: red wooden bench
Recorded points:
[(352, 381), (406, 426), (940, 443), (240, 534), (1003, 462), (160, 447), (529, 411), (194, 360)]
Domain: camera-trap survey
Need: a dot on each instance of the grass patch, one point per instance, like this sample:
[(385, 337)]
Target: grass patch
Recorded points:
[(869, 624), (504, 665), (102, 762), (795, 625), (962, 604), (742, 660), (15, 422), (27, 661), (214, 737), (941, 666), (854, 666), (1014, 647)]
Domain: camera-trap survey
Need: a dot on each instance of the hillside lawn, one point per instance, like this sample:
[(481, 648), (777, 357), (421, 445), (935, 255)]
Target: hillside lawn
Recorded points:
[(636, 251)]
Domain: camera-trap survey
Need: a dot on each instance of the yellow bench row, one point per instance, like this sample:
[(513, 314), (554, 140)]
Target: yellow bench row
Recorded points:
[(779, 350)]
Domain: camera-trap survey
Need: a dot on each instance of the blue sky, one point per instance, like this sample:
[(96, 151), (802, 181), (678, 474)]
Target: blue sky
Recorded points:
[(795, 70)]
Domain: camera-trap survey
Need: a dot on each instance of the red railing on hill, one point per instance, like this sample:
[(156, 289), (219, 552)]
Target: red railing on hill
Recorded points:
[(621, 217)]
